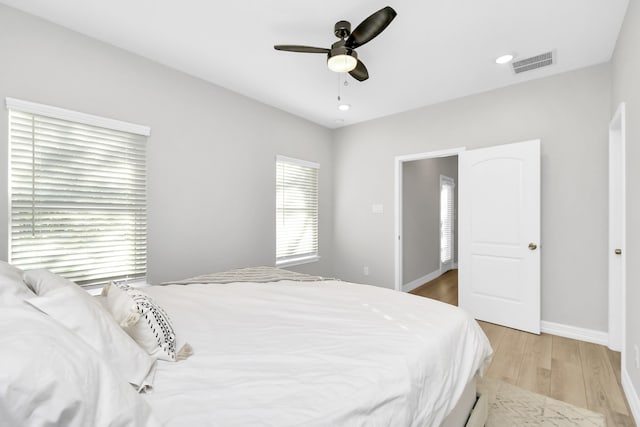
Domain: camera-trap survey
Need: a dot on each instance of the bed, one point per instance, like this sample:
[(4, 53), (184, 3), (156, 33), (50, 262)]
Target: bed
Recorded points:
[(268, 347)]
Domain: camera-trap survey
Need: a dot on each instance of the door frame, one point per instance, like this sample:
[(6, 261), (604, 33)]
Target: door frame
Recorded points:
[(398, 168), (617, 211)]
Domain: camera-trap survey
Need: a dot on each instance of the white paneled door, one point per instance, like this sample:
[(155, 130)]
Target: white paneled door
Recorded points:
[(499, 234), (617, 220)]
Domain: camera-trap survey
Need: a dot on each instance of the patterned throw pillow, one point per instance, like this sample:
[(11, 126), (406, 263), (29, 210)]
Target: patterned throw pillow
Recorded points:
[(145, 321)]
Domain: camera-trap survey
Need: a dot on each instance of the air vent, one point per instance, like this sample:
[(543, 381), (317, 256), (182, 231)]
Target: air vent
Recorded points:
[(532, 63)]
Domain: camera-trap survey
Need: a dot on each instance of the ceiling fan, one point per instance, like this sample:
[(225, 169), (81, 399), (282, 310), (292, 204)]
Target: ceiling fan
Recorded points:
[(342, 57)]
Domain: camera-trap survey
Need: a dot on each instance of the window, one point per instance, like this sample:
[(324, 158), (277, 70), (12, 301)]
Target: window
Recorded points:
[(296, 211), (447, 222), (77, 194)]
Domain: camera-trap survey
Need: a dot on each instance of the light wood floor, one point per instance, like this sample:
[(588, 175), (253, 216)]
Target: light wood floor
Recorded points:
[(580, 373)]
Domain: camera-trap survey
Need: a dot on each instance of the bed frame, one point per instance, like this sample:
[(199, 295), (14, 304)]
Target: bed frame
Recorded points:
[(470, 411)]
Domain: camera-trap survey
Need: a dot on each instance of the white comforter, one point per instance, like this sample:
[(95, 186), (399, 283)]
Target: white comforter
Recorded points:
[(313, 354)]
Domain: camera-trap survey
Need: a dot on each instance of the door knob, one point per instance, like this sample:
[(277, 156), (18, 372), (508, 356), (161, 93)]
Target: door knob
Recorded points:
[(533, 246), (618, 251)]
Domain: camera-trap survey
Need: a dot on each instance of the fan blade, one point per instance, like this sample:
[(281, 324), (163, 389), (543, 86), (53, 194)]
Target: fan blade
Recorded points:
[(359, 73), (303, 49), (371, 27)]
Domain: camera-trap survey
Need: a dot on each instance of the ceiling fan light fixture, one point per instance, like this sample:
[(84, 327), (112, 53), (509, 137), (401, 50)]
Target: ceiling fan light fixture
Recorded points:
[(344, 107), (342, 63)]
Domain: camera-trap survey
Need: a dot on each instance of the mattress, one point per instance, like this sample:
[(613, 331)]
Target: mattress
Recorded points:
[(291, 353)]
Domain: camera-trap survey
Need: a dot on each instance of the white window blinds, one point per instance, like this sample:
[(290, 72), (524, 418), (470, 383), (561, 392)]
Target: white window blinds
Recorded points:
[(447, 222), (78, 195), (296, 211)]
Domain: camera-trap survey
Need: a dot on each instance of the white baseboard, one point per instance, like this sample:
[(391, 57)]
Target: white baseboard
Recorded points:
[(588, 335), (631, 394), (408, 287)]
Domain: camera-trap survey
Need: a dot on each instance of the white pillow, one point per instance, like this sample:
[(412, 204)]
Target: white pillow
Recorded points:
[(49, 376), (13, 290), (79, 312), (41, 281), (145, 321)]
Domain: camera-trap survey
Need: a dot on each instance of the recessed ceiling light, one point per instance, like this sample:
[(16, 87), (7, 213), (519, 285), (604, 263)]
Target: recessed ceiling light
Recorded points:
[(344, 107), (504, 59)]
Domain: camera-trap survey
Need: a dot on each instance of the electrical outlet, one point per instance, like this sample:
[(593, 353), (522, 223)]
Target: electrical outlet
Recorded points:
[(636, 355), (365, 270)]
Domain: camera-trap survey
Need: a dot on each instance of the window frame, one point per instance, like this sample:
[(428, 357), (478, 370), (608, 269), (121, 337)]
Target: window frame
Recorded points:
[(309, 257), (446, 181), (71, 118)]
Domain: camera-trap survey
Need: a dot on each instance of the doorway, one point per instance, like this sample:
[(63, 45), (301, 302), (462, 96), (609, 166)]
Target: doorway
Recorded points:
[(418, 228), (499, 232)]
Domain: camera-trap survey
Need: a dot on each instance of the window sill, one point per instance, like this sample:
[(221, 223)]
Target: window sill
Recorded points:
[(297, 261)]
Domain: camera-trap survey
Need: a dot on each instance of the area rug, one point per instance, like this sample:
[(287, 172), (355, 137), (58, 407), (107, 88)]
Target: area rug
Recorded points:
[(511, 406)]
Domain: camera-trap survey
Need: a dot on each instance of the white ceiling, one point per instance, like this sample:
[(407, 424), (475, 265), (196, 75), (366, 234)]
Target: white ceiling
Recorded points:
[(435, 50)]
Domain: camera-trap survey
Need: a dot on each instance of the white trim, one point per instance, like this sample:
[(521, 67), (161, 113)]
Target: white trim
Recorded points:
[(398, 161), (9, 192), (75, 116), (397, 236), (408, 287), (285, 159), (297, 261), (431, 154), (631, 395), (574, 332)]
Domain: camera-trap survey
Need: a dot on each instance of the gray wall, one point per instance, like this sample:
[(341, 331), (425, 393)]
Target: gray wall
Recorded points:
[(421, 214), (569, 112), (626, 88), (211, 156)]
